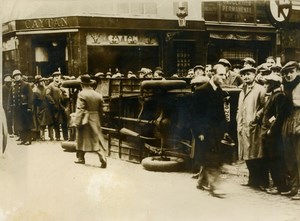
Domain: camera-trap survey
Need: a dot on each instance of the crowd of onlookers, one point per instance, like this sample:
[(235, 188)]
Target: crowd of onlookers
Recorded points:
[(268, 115)]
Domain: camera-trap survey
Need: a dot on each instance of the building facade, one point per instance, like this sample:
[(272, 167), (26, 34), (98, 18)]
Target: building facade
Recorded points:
[(118, 36)]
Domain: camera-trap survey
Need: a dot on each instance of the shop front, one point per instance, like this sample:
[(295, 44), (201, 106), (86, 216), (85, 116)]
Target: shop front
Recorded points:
[(78, 44), (238, 29)]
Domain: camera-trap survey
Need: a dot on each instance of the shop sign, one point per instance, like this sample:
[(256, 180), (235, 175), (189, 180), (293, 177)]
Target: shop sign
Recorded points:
[(10, 44), (120, 39), (42, 23), (279, 11), (229, 11)]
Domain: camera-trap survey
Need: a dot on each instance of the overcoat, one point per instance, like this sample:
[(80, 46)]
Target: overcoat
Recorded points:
[(250, 107), (89, 137), (43, 114), (56, 99), (21, 103), (208, 120)]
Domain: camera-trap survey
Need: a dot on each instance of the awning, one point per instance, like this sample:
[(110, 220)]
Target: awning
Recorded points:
[(40, 32), (240, 37)]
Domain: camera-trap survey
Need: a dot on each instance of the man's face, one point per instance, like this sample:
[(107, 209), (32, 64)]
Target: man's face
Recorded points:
[(18, 77), (291, 74), (56, 78), (248, 77), (220, 76), (199, 72)]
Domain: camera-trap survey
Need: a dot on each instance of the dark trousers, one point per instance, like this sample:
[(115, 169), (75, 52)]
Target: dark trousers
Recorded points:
[(9, 122), (292, 160), (25, 135), (64, 127), (258, 172)]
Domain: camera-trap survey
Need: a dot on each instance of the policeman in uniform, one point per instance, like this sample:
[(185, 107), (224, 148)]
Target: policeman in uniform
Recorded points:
[(21, 103)]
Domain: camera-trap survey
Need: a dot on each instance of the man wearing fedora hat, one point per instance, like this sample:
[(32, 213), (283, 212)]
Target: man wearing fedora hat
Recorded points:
[(57, 101), (250, 106), (21, 104), (89, 137)]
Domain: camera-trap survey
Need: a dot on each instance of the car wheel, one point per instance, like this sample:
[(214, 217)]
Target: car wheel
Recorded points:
[(163, 164)]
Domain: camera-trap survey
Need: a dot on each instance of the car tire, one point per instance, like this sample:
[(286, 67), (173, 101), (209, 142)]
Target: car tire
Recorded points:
[(165, 164), (69, 146)]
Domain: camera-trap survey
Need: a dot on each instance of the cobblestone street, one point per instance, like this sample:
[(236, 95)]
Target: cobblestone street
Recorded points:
[(41, 182)]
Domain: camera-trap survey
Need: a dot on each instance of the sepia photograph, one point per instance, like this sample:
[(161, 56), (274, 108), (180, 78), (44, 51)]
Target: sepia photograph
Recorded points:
[(150, 110)]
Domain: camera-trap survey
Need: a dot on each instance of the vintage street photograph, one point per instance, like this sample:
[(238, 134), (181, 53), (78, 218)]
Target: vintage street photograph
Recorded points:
[(150, 110)]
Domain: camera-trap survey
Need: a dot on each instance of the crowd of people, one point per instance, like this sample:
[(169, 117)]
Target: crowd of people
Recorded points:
[(268, 118)]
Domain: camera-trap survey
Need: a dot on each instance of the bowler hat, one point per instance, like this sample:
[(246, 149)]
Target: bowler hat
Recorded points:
[(16, 72), (224, 62), (273, 77), (198, 67), (288, 66), (248, 69), (56, 73), (86, 79)]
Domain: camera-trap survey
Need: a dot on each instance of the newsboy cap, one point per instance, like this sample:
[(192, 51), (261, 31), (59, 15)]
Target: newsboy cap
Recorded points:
[(276, 68), (249, 60), (264, 69), (273, 77), (56, 73), (248, 69), (198, 67), (224, 62), (16, 72), (290, 65)]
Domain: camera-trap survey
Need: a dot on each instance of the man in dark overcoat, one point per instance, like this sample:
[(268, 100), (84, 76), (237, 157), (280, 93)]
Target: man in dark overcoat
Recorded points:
[(21, 103), (57, 100), (89, 137), (6, 90), (208, 128)]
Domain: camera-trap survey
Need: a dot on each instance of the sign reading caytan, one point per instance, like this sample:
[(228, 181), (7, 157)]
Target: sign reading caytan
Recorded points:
[(41, 23)]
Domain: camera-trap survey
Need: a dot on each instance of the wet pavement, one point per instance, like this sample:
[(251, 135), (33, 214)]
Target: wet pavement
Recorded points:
[(41, 182)]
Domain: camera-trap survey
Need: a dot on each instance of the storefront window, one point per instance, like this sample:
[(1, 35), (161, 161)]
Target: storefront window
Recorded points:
[(184, 57)]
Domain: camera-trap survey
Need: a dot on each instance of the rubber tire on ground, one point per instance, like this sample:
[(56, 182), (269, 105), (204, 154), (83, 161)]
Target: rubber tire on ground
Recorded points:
[(69, 146), (156, 164)]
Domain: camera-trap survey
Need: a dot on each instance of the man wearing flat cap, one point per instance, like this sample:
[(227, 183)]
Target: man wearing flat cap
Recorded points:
[(42, 116), (262, 71), (248, 62), (199, 70), (250, 106), (21, 104), (57, 100), (272, 120), (232, 79), (291, 127)]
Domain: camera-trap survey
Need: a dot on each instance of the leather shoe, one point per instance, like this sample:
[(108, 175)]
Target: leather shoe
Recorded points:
[(296, 197), (288, 193), (21, 143), (245, 184), (103, 164), (218, 194), (79, 161)]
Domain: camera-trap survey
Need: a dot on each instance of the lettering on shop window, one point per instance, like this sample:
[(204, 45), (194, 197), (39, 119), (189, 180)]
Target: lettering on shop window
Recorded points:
[(94, 38), (115, 39), (46, 23)]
